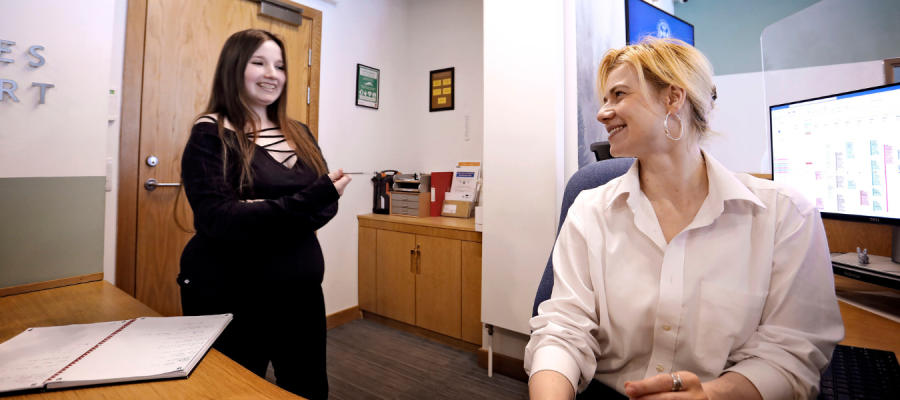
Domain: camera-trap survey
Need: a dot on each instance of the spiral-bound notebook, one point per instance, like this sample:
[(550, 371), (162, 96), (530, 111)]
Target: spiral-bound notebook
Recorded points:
[(107, 352)]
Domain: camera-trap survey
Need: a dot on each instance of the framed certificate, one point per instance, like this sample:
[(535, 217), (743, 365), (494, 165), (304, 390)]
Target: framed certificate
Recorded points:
[(441, 90), (367, 86)]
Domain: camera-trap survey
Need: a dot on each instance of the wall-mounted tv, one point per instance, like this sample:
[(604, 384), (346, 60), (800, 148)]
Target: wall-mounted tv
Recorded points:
[(643, 19)]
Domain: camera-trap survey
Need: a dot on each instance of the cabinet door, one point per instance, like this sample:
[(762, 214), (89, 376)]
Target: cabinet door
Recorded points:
[(438, 293), (395, 275), (471, 292), (367, 278)]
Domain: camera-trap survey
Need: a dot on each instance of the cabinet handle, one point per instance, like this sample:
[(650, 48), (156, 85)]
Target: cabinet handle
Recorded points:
[(413, 261), (418, 262)]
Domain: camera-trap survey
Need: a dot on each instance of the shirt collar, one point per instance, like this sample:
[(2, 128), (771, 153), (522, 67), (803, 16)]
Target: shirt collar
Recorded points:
[(629, 184), (726, 185), (723, 186)]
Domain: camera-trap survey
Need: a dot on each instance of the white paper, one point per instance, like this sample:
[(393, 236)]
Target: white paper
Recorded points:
[(450, 208), (33, 356), (460, 196), (149, 346), (465, 179)]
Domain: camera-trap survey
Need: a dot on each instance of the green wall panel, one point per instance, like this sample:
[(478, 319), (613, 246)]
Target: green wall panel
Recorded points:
[(50, 228)]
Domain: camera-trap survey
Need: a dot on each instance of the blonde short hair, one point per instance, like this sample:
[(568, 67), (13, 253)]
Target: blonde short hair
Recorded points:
[(664, 62)]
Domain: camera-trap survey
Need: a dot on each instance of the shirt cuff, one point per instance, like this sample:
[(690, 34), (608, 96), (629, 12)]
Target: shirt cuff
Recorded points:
[(325, 187), (555, 358), (770, 382)]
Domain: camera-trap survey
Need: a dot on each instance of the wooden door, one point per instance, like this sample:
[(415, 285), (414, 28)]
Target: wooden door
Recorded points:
[(181, 47), (396, 275), (438, 291)]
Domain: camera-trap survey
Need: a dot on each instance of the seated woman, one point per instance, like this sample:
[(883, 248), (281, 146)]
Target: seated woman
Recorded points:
[(681, 276)]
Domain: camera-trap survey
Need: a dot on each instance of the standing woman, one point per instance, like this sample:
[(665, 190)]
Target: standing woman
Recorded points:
[(259, 189)]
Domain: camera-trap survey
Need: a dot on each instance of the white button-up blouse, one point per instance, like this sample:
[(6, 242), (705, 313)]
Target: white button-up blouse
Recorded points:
[(746, 287)]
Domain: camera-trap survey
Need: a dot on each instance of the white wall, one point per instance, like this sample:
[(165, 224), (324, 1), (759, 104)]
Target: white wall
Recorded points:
[(523, 134), (665, 5), (358, 139), (116, 70), (65, 136), (392, 36), (445, 34), (787, 85), (739, 120)]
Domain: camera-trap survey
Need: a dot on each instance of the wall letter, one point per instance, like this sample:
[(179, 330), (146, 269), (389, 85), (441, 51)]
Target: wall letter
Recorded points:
[(33, 50), (3, 89), (44, 87), (5, 50)]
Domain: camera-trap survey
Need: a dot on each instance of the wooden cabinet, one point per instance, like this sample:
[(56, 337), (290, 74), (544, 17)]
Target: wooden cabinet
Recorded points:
[(395, 275), (425, 272), (438, 282)]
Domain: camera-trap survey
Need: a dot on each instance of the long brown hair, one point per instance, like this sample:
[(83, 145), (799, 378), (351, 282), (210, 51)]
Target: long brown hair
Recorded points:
[(229, 99)]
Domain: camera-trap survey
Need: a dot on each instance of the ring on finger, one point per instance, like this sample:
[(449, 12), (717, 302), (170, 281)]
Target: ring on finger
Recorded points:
[(676, 383)]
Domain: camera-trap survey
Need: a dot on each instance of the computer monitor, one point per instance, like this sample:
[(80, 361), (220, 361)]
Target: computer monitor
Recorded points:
[(643, 19), (842, 152)]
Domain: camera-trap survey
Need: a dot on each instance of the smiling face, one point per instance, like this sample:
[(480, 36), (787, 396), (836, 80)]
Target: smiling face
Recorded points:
[(264, 76), (633, 121)]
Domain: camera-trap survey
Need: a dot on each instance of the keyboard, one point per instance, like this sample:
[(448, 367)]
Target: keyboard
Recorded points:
[(858, 373)]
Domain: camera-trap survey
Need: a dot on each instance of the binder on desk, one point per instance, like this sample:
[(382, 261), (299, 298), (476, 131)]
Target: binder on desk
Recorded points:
[(108, 352), (440, 185)]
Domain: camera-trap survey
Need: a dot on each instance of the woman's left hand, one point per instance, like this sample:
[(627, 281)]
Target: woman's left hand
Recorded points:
[(660, 388)]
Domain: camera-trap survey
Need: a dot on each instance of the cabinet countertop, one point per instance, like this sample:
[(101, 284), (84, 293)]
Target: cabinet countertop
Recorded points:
[(467, 224)]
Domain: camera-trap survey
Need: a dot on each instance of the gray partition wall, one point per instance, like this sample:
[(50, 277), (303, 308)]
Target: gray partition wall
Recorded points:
[(50, 228), (830, 47)]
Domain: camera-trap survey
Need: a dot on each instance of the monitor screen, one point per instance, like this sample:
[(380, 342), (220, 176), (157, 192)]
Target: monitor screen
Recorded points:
[(842, 152), (642, 19)]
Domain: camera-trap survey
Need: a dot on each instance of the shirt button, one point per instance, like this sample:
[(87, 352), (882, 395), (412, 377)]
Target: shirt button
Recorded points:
[(666, 327), (659, 368)]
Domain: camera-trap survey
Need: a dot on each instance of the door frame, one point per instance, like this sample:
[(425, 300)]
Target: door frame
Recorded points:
[(130, 133)]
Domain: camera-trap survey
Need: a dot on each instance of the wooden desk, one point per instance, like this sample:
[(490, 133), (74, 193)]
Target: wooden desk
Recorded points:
[(216, 377), (863, 328)]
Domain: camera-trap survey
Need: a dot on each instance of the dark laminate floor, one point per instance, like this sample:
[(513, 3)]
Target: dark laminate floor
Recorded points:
[(367, 360)]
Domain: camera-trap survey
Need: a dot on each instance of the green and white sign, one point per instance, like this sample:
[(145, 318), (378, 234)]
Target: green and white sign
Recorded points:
[(367, 86)]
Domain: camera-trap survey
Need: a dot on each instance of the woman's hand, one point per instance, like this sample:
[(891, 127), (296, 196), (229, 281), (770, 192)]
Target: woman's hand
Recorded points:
[(660, 387), (340, 180)]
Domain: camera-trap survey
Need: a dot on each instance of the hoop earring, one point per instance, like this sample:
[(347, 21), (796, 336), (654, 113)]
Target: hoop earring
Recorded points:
[(666, 126)]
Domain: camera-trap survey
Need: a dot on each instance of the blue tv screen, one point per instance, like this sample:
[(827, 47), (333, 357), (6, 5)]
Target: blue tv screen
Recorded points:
[(642, 19)]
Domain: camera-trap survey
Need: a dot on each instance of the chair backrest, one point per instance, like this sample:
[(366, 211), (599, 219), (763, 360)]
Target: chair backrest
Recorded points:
[(589, 177)]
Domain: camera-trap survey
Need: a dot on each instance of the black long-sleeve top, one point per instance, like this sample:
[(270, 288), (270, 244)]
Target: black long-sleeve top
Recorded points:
[(239, 242)]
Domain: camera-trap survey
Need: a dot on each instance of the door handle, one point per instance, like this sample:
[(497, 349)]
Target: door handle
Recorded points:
[(152, 184), (414, 255)]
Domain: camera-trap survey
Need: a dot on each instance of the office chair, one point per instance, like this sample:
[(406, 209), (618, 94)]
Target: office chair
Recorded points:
[(588, 177)]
